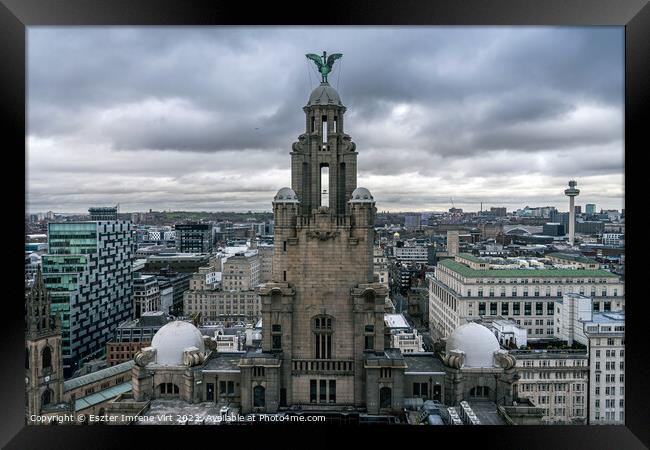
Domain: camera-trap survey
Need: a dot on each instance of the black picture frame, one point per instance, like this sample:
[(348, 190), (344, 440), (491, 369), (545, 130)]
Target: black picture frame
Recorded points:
[(16, 15)]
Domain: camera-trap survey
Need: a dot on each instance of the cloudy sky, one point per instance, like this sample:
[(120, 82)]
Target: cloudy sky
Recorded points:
[(203, 118)]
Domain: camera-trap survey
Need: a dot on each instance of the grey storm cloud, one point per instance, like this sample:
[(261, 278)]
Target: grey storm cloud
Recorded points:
[(163, 108)]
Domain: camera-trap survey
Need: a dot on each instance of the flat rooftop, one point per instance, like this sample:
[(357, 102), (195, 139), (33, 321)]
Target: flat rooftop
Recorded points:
[(515, 273), (396, 321), (487, 413), (422, 363), (171, 412), (608, 317), (223, 362)]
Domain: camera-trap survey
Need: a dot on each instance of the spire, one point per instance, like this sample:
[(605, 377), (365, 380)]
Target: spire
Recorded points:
[(38, 308)]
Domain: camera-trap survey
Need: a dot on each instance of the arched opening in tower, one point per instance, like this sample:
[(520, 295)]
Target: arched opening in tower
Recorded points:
[(324, 185)]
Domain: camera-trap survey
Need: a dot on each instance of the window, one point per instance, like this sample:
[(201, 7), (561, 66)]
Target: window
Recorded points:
[(527, 308), (46, 358), (332, 392), (258, 371), (493, 309), (323, 337), (481, 308), (46, 398), (479, 391), (515, 308), (369, 338), (312, 391), (505, 309), (323, 391), (276, 337), (385, 397), (259, 396), (420, 390)]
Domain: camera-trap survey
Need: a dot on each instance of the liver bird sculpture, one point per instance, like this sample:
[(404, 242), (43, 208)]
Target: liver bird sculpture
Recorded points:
[(324, 63)]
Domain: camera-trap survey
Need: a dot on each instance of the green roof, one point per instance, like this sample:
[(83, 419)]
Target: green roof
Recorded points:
[(101, 396), (517, 273), (570, 257), (93, 377)]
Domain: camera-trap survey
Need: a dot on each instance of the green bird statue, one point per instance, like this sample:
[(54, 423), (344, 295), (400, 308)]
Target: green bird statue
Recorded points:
[(324, 63)]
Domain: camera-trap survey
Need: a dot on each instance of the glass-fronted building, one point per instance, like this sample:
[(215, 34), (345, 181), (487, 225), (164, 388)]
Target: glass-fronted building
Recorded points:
[(88, 273)]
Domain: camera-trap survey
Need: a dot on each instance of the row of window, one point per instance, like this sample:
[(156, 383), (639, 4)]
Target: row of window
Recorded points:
[(536, 292), (320, 391), (610, 390), (611, 378)]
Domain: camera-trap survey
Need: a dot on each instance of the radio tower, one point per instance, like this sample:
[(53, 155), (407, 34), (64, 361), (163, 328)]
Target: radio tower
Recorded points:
[(572, 193)]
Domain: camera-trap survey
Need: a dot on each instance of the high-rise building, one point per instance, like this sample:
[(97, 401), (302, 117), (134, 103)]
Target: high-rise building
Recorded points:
[(146, 294), (323, 347), (555, 380), (88, 273), (583, 321), (241, 272), (103, 213), (323, 253), (590, 209), (453, 242), (265, 255), (605, 332), (194, 238), (553, 229)]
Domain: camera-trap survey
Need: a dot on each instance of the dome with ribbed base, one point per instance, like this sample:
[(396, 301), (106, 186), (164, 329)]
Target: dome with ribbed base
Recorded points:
[(172, 339), (478, 343), (324, 95)]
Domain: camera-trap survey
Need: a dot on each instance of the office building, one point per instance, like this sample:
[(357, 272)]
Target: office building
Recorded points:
[(103, 213), (146, 294), (88, 273), (467, 287), (555, 380), (241, 272), (553, 229), (193, 238)]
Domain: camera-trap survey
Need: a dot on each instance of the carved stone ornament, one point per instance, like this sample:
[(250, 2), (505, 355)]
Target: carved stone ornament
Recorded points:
[(322, 235)]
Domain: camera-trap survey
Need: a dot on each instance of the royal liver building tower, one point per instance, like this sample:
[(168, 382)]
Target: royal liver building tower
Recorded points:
[(323, 344), (322, 314)]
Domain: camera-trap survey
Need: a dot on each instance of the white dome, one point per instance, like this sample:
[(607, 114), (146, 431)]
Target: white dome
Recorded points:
[(286, 195), (478, 343), (324, 95), (361, 195), (172, 339)]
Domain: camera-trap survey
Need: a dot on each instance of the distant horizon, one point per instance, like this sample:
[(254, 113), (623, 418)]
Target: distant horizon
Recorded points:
[(598, 209)]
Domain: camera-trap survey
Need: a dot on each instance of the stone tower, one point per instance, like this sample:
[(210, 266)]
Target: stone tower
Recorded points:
[(43, 358), (322, 314)]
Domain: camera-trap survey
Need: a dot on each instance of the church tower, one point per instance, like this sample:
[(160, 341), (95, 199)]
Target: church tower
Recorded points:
[(322, 313), (43, 358)]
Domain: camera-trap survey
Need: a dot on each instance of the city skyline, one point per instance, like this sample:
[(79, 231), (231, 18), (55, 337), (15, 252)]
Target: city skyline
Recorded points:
[(202, 119)]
